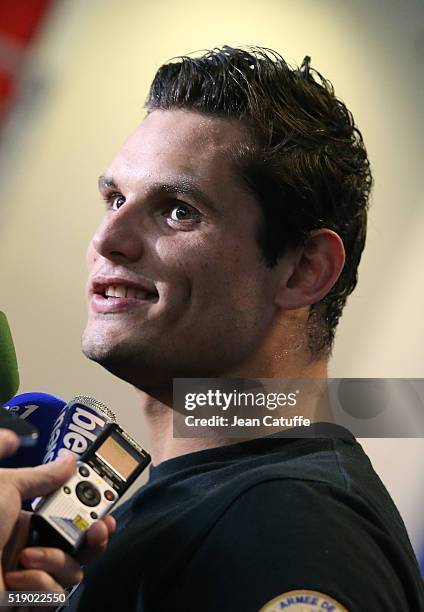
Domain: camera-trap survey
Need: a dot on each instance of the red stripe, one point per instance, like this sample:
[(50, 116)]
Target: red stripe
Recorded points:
[(20, 19)]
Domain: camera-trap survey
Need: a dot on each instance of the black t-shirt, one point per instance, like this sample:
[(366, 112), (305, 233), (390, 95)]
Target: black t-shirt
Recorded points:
[(304, 520)]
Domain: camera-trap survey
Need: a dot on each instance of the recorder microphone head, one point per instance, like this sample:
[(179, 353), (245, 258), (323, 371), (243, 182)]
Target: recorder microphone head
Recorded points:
[(78, 424)]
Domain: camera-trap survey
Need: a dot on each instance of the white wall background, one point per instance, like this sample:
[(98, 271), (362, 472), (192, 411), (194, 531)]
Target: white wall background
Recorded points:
[(85, 86)]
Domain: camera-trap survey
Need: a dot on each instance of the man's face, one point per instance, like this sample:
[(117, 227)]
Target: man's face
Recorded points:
[(189, 292)]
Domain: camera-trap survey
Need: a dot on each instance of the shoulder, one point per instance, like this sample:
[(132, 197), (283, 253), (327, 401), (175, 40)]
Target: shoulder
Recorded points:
[(284, 535), (298, 513)]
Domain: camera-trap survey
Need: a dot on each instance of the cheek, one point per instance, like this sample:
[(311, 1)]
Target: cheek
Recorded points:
[(214, 272), (224, 279), (91, 256)]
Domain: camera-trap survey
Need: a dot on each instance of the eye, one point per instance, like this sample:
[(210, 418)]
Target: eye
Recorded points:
[(117, 201), (114, 201), (183, 212)]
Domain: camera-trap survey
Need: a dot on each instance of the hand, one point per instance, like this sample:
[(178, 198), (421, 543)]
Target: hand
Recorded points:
[(19, 484), (51, 569)]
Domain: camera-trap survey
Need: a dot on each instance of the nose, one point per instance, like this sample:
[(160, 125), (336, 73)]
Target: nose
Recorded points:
[(119, 237)]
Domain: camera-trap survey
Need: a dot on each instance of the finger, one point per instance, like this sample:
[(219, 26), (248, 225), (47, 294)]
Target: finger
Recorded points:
[(32, 580), (43, 479), (97, 538), (17, 540), (110, 523), (63, 568), (9, 442), (95, 542)]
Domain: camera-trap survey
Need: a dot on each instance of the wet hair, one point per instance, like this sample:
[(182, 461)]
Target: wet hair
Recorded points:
[(303, 157)]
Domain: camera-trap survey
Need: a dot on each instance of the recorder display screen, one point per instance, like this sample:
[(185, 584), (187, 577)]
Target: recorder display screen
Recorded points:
[(115, 455)]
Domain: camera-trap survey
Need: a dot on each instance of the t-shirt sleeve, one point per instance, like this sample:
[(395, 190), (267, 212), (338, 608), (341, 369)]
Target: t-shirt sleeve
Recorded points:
[(285, 540)]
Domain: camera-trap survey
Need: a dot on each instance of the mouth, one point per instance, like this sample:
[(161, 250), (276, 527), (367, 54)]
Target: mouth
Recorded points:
[(119, 295)]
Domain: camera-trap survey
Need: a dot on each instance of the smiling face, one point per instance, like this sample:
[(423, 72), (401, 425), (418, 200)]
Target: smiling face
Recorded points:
[(189, 292)]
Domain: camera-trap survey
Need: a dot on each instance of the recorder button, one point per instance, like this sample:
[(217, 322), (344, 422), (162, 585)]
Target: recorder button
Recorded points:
[(110, 495), (87, 493), (84, 471)]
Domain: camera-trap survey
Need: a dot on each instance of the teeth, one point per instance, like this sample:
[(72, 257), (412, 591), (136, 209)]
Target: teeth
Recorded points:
[(110, 292), (121, 291), (131, 292)]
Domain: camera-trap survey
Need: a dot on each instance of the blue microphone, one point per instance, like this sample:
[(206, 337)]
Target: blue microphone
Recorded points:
[(41, 411)]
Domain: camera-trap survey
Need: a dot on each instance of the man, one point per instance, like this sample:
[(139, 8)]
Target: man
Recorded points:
[(235, 222)]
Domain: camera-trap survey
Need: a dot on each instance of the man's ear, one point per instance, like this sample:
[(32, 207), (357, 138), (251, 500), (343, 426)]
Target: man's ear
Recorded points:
[(313, 270)]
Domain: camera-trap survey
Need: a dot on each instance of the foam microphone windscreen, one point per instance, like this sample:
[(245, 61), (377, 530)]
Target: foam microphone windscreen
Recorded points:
[(9, 374)]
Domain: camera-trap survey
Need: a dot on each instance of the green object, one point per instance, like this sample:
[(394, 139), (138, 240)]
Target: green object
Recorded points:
[(9, 375)]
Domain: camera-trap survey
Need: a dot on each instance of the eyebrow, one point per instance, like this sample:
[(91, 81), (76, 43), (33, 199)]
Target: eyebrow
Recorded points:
[(106, 182), (179, 185)]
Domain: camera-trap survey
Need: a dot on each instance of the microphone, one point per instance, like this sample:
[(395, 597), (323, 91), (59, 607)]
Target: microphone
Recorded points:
[(41, 411), (78, 424), (9, 374), (71, 427), (9, 383)]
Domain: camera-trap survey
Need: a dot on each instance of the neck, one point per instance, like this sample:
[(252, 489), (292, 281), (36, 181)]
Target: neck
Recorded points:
[(158, 419), (272, 363)]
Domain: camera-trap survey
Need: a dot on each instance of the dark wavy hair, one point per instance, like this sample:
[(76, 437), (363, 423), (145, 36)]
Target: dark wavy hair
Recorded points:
[(304, 159)]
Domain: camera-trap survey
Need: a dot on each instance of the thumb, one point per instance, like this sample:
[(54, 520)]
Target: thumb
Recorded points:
[(9, 442), (43, 479)]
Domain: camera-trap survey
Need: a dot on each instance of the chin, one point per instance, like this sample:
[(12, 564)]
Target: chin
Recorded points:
[(100, 353), (101, 349), (120, 358), (112, 358)]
